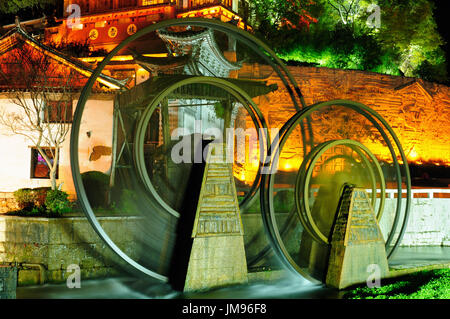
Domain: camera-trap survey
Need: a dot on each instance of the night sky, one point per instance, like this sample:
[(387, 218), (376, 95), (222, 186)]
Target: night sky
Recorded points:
[(441, 17)]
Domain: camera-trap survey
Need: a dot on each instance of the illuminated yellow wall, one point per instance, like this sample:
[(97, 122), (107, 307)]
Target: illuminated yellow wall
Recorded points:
[(418, 111)]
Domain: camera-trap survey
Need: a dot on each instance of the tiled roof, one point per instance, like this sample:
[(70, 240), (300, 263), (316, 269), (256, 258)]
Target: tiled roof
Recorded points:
[(11, 38)]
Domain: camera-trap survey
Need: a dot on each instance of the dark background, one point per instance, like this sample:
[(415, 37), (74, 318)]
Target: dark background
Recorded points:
[(441, 15)]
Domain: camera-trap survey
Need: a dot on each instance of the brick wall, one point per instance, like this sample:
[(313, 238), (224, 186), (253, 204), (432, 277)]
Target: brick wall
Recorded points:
[(56, 243)]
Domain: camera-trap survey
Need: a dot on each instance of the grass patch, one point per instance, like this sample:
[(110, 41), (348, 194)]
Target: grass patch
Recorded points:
[(428, 284)]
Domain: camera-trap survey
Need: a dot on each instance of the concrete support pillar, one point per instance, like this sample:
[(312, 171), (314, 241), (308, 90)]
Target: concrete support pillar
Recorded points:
[(357, 244), (217, 257)]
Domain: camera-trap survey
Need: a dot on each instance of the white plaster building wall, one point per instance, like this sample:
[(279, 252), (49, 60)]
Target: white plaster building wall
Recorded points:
[(15, 150), (97, 120), (15, 154), (428, 223)]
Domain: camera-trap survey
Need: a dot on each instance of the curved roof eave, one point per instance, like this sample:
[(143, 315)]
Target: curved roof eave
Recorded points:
[(60, 57)]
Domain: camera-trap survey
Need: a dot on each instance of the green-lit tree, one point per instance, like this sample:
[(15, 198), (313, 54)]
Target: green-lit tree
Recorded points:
[(348, 10), (408, 28), (404, 39), (14, 6), (278, 14)]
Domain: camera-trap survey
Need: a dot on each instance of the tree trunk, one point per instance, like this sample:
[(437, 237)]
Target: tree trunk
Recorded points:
[(54, 168), (53, 177)]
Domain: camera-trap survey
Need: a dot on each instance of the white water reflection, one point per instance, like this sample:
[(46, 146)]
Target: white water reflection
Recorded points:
[(131, 288)]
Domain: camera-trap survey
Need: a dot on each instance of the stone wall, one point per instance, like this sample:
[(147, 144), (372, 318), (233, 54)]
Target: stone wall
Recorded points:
[(418, 111), (428, 222), (7, 202), (50, 245)]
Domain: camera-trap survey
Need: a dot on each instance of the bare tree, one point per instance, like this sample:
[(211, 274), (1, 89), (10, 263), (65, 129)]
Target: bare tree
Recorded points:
[(42, 91), (347, 9)]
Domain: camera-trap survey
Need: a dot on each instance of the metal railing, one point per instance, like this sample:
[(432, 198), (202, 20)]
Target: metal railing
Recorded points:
[(415, 192), (392, 193)]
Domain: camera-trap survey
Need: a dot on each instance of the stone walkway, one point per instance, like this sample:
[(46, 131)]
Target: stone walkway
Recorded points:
[(410, 257)]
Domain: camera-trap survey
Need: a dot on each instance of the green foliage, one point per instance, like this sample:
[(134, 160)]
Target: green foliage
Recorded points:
[(432, 72), (431, 284), (96, 185), (219, 110), (332, 44), (25, 198), (41, 195), (57, 202), (408, 27), (14, 6), (273, 15), (407, 42), (41, 201), (338, 48)]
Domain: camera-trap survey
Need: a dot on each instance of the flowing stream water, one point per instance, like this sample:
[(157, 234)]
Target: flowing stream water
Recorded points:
[(291, 287)]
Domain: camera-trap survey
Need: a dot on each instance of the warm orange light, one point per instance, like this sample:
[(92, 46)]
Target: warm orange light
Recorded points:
[(226, 15), (428, 156), (122, 58), (419, 153), (413, 154), (289, 165), (145, 11), (80, 70)]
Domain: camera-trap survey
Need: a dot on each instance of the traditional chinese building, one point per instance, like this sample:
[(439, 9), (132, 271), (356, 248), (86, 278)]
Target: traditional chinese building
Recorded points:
[(410, 105), (102, 24), (107, 23)]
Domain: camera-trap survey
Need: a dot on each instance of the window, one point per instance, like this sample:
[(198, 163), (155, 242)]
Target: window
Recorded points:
[(127, 3), (39, 167), (153, 2), (58, 112)]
